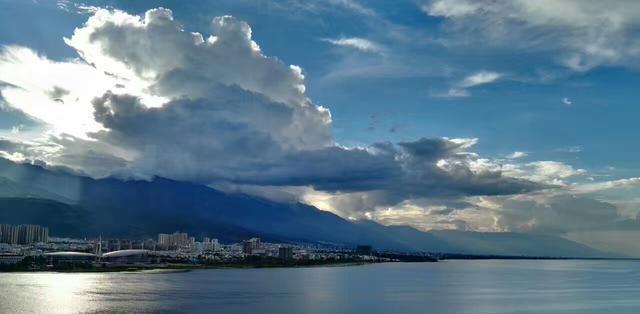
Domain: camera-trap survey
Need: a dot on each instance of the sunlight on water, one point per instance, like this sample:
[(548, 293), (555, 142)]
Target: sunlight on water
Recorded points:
[(446, 287), (48, 292)]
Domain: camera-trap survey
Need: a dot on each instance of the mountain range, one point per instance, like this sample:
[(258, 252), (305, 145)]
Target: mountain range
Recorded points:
[(76, 206)]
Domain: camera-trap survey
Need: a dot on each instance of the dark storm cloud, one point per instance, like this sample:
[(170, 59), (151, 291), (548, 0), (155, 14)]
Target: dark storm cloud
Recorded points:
[(206, 140)]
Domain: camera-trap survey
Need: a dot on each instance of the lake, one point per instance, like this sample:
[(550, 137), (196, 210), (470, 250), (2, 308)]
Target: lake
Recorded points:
[(488, 286)]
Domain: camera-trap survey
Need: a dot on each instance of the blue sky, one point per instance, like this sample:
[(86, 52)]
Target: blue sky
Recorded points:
[(523, 112), (554, 81), (527, 116)]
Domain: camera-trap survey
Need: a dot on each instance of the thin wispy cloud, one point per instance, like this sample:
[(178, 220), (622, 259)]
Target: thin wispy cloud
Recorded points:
[(480, 78), (570, 149), (517, 155), (354, 5), (461, 89), (356, 43)]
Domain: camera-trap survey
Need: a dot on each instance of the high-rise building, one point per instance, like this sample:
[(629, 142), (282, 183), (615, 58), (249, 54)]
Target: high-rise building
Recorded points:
[(113, 245), (125, 244), (285, 252), (23, 234), (251, 245), (209, 244), (9, 234), (364, 250), (149, 244), (175, 240), (163, 239)]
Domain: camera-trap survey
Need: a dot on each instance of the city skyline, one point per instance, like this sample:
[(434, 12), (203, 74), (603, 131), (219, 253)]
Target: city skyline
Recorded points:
[(28, 247)]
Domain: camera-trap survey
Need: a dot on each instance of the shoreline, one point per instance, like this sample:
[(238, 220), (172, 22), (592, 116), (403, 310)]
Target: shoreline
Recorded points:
[(178, 268)]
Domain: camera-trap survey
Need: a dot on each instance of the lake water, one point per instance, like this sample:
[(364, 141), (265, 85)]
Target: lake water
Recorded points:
[(493, 286)]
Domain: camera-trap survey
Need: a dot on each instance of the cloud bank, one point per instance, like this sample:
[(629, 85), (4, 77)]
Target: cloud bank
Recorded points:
[(159, 100)]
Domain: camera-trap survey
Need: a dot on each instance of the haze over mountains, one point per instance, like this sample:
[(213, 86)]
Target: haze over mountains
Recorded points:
[(83, 207)]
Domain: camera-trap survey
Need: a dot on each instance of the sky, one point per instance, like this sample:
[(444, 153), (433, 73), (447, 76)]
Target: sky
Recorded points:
[(444, 114)]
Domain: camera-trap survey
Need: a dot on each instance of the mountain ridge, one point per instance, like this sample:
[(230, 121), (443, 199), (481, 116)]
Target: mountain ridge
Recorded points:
[(138, 208)]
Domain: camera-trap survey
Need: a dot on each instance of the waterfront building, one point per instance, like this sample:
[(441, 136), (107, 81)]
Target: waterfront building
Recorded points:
[(364, 250), (149, 244), (23, 234), (128, 257), (251, 246), (175, 240), (137, 244), (11, 258), (214, 244), (125, 244), (285, 252), (113, 245), (163, 239), (55, 258), (8, 234), (208, 244)]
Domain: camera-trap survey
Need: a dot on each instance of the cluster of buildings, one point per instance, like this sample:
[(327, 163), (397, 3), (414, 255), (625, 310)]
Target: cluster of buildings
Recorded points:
[(254, 247), (175, 240), (182, 241), (124, 244), (16, 242), (23, 234)]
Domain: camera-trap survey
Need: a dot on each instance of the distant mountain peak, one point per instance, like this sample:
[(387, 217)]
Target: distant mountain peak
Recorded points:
[(74, 205)]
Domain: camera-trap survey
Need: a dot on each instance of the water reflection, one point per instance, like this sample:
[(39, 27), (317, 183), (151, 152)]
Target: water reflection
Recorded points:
[(448, 287), (46, 292)]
